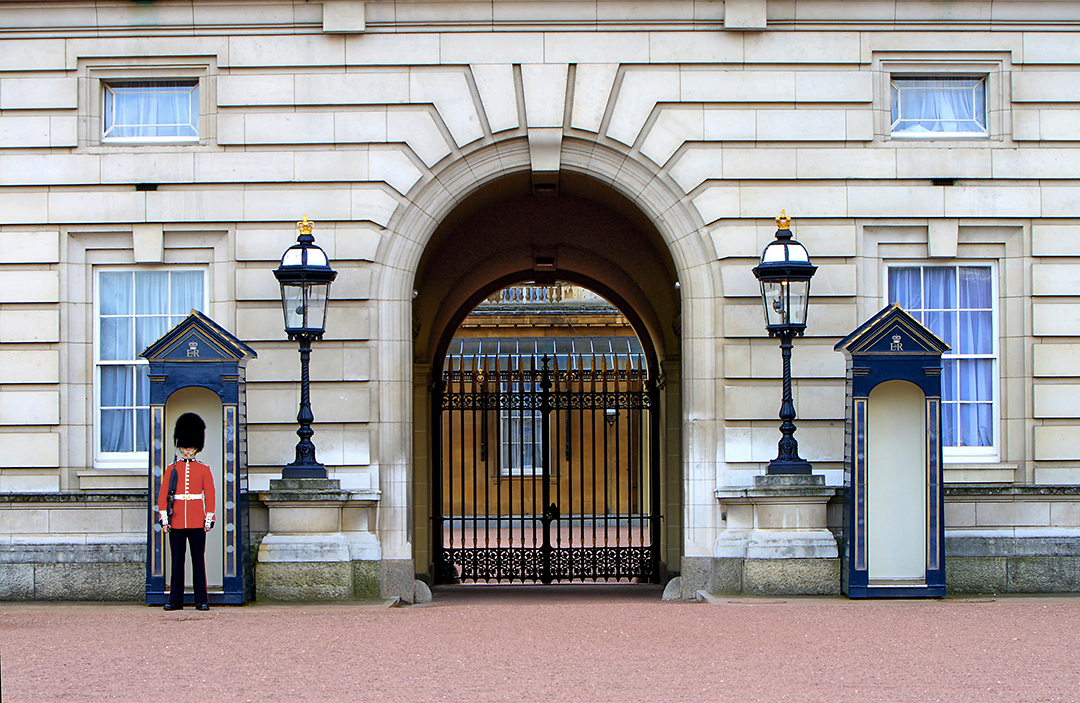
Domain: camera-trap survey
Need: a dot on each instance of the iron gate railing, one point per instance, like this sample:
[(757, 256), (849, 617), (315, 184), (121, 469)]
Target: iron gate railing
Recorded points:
[(546, 473)]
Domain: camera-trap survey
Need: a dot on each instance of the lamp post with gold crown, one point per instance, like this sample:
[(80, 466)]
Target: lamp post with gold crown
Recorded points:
[(784, 273), (305, 277)]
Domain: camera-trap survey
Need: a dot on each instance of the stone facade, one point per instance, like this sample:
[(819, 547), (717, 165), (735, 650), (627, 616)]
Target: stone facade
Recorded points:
[(670, 134)]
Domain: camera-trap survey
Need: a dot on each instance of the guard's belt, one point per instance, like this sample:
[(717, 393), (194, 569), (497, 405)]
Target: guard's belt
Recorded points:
[(189, 496)]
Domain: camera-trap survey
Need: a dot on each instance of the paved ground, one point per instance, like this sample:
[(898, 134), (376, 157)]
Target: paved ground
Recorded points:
[(519, 644)]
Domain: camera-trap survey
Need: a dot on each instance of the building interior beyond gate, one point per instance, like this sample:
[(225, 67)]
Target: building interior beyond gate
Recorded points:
[(575, 272)]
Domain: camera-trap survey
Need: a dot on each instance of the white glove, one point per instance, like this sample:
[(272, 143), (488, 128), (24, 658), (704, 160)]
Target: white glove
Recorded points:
[(164, 521), (209, 522)]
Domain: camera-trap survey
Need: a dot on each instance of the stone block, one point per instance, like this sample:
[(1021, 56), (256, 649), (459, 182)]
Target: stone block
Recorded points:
[(1056, 443), (16, 582), (411, 49), (1056, 401), (495, 84), (40, 247), (834, 86), (789, 577), (975, 575), (1059, 125), (992, 201), (567, 47), (801, 125), (398, 577), (194, 206), (25, 131), (245, 166), (727, 576), (30, 287), (1043, 574), (844, 163), (40, 366), (811, 47), (292, 582), (341, 17), (1054, 280), (739, 164), (944, 163), (285, 50), (30, 450), (33, 54), (124, 582), (1054, 240), (799, 200), (711, 85), (367, 582), (730, 125), (29, 407), (895, 201), (93, 207), (38, 93), (672, 128), (695, 573), (745, 14), (29, 326), (685, 47), (417, 127), (641, 89), (544, 86), (1055, 319)]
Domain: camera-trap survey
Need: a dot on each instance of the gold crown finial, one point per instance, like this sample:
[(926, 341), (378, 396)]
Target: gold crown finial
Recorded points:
[(783, 222), (305, 226)]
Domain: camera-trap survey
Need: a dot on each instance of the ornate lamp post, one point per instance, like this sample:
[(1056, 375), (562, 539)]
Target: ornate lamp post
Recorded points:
[(305, 276), (784, 273)]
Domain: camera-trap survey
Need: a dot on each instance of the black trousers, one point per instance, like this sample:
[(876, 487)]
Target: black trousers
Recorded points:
[(178, 540)]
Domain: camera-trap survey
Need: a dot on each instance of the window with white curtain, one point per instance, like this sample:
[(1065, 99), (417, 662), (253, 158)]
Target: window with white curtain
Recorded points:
[(957, 303), (151, 111), (936, 106), (134, 309), (520, 438)]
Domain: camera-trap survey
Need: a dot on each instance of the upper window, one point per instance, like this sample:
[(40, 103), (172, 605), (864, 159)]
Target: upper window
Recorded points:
[(937, 106), (151, 111), (957, 304), (134, 309)]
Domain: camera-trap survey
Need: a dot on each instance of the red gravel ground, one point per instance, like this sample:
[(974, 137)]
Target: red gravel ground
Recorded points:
[(558, 643)]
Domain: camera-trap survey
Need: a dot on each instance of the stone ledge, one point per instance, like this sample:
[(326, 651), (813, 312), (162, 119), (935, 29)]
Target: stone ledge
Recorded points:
[(114, 497)]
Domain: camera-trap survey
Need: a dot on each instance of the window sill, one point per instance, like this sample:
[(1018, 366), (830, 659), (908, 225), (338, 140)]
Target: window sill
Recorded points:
[(112, 480), (979, 473)]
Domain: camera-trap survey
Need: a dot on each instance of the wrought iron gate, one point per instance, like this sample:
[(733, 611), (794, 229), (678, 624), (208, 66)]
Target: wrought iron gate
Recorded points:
[(546, 469)]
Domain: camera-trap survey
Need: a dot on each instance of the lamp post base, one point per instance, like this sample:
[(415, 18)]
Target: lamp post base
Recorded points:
[(304, 471), (778, 467)]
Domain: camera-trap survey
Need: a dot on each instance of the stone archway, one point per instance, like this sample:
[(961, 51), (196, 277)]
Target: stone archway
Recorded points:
[(614, 225)]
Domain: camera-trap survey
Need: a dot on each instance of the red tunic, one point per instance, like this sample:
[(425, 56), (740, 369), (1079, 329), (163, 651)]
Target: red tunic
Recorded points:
[(189, 510)]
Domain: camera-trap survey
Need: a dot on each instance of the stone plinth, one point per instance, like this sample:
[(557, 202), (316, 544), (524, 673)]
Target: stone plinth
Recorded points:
[(777, 540), (318, 546)]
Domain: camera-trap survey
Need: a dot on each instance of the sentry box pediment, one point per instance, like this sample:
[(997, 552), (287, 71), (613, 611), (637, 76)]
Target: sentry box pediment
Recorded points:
[(199, 367), (894, 525)]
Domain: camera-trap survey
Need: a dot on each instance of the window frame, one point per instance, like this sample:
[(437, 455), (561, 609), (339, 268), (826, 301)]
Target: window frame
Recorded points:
[(994, 67), (966, 454), (108, 93), (983, 79), (132, 459)]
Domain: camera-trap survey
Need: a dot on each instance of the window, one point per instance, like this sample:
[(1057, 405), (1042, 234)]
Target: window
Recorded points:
[(957, 304), (520, 434), (134, 309), (151, 111), (936, 106)]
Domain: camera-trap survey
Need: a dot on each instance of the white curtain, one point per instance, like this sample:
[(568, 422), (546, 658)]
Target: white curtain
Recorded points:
[(944, 105), (956, 304), (152, 109)]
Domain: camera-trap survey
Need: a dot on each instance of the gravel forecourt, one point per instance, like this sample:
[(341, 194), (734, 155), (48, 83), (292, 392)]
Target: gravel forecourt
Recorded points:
[(548, 643)]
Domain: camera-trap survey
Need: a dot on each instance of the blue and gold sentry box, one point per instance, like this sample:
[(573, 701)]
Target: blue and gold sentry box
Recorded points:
[(894, 511), (199, 367)]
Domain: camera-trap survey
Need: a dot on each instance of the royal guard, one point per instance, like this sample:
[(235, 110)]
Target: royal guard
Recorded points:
[(186, 510)]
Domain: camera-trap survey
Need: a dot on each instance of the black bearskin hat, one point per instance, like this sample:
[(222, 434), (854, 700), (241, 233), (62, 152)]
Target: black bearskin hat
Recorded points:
[(190, 431)]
